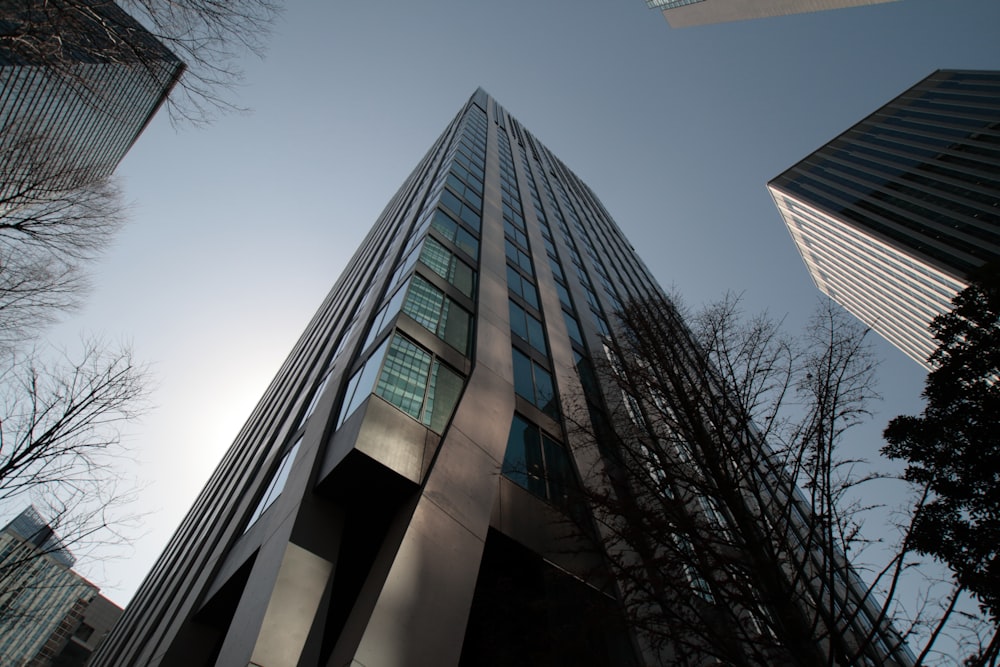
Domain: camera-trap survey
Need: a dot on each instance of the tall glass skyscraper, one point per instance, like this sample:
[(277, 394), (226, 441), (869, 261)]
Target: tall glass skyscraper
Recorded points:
[(400, 494), (78, 84), (893, 215)]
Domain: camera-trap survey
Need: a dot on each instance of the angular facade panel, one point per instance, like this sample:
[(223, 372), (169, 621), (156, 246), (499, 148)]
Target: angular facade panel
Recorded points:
[(894, 215), (401, 494)]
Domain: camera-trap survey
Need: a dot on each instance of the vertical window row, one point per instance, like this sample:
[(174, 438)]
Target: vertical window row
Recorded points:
[(538, 463), (532, 377), (435, 275), (596, 312)]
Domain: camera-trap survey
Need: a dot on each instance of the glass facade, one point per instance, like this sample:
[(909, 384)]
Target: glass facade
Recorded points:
[(893, 215)]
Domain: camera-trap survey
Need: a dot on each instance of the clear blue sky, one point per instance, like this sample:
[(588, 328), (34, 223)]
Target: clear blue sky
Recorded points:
[(239, 230)]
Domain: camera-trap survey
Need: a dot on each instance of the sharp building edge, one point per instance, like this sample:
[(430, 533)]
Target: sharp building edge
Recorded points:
[(894, 216), (399, 495)]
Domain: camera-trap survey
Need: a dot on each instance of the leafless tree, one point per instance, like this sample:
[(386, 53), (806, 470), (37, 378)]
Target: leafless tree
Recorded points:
[(60, 445), (55, 218), (210, 37), (728, 510)]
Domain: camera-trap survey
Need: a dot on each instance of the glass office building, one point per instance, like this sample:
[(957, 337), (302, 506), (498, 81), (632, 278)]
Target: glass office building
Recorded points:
[(73, 102), (893, 215), (400, 494), (49, 614)]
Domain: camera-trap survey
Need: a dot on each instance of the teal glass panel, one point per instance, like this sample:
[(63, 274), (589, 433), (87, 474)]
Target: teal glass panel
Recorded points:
[(276, 485), (442, 397), (424, 303), (563, 295), (436, 257), (456, 325), (462, 277), (404, 376), (451, 202), (440, 260), (467, 242)]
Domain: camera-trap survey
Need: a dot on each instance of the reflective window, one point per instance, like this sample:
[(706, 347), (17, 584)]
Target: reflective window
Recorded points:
[(315, 399), (455, 233), (518, 257), (466, 213), (440, 260), (563, 295), (361, 383), (437, 313), (411, 379), (527, 328), (276, 485), (522, 287), (573, 328), (534, 383), (538, 463)]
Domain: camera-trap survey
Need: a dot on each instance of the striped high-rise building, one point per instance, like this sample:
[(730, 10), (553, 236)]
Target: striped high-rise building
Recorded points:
[(79, 81), (687, 13), (406, 491), (893, 216)]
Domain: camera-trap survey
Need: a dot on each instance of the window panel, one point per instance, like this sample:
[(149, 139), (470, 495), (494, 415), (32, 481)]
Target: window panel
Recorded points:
[(545, 391), (276, 485), (559, 470), (361, 384), (404, 376), (522, 287), (522, 462), (410, 379), (429, 306), (440, 260), (315, 399), (534, 383), (517, 324), (573, 328), (454, 232), (524, 384), (442, 397), (538, 463), (563, 295), (527, 328), (536, 334)]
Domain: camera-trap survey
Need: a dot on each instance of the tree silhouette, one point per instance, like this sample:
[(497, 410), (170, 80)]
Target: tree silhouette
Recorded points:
[(953, 448), (725, 515)]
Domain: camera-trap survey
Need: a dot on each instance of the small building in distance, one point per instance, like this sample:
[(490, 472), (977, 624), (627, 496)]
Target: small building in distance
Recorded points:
[(49, 614)]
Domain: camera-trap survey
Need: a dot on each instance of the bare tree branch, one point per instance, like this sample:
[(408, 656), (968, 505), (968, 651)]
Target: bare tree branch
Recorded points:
[(210, 36), (729, 513)]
